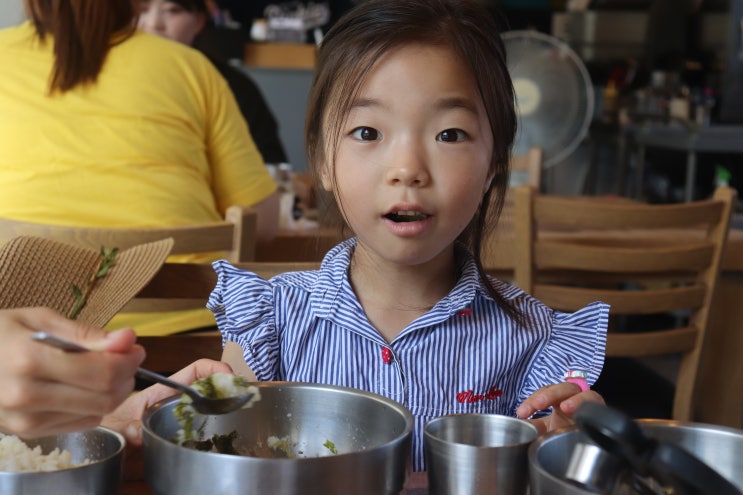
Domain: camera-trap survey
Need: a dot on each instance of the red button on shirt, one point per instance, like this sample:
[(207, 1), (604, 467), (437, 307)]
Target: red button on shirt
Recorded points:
[(386, 355)]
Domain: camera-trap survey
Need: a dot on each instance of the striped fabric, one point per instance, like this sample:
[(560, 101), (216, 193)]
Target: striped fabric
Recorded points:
[(463, 356)]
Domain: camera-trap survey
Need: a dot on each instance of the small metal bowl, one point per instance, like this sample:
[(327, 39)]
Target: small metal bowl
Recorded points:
[(104, 448), (478, 453), (371, 434)]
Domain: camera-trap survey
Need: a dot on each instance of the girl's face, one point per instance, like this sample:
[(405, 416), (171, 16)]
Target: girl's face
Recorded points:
[(413, 160), (171, 20)]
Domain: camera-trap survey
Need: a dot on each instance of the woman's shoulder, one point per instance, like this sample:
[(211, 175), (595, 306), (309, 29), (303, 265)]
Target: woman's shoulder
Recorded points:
[(171, 69), (148, 50), (17, 40), (23, 30)]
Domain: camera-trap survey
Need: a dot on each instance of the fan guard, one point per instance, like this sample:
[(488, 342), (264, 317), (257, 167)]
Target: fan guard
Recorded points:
[(554, 94)]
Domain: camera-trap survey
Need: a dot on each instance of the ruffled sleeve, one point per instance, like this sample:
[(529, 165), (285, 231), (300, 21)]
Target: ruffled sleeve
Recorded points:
[(577, 342), (243, 306)]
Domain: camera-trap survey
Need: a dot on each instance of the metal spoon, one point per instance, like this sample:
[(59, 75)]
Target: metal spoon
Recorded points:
[(202, 404)]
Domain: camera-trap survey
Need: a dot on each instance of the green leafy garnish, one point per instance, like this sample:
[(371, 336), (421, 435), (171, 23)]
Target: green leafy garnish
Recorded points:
[(105, 264), (330, 446)]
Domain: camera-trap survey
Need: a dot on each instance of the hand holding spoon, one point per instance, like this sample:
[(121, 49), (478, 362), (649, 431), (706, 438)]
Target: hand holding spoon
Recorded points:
[(201, 403)]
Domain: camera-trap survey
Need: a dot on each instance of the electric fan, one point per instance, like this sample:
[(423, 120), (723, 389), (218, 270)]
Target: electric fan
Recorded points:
[(554, 94)]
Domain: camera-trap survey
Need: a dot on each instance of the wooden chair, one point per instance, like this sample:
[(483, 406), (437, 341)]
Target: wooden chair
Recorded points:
[(527, 169), (641, 259), (187, 286), (235, 235)]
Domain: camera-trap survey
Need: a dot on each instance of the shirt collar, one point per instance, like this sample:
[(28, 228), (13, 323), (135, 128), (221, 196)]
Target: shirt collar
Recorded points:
[(333, 290)]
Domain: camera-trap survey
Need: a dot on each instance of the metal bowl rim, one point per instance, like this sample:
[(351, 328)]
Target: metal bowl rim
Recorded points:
[(427, 434), (108, 431), (401, 437)]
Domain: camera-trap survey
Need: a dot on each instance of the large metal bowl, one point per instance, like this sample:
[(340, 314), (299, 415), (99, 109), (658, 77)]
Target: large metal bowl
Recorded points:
[(719, 447), (371, 433), (104, 449)]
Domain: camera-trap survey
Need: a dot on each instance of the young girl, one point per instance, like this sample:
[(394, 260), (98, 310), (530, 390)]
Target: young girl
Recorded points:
[(410, 124)]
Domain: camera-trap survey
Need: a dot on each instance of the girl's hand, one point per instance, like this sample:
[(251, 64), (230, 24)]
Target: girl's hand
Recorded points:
[(47, 391), (564, 398), (127, 418)]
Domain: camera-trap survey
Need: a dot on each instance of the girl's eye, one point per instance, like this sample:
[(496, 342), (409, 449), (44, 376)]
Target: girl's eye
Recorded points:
[(173, 8), (451, 135), (365, 134)]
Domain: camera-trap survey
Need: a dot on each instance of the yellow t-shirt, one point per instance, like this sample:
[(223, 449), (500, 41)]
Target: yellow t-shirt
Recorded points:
[(157, 140)]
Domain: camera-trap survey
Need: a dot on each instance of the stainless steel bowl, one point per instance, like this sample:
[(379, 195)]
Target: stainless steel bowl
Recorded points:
[(371, 433), (104, 449), (478, 454), (719, 447)]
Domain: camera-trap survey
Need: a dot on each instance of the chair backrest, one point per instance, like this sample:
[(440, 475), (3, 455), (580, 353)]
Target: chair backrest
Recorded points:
[(527, 169), (179, 286), (185, 286), (235, 235), (641, 259)]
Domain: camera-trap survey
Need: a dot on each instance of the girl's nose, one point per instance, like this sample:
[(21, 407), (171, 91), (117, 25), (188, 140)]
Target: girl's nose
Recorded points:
[(408, 168)]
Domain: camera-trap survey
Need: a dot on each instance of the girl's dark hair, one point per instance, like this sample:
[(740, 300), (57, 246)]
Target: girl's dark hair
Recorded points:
[(359, 39), (82, 31)]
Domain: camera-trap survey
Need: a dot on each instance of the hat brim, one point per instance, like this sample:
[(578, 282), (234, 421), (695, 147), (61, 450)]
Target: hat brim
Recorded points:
[(36, 271)]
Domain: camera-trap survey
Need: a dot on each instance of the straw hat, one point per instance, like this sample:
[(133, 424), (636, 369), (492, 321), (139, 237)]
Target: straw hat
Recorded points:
[(35, 271)]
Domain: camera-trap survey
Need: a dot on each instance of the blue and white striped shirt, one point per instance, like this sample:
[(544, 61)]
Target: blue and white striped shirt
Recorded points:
[(465, 355)]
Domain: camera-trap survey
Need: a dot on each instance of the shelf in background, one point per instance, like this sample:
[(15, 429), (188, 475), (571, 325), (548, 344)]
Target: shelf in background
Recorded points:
[(280, 55)]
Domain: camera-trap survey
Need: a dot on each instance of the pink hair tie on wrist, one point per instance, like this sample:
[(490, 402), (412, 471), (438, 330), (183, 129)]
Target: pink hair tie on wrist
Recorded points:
[(579, 378)]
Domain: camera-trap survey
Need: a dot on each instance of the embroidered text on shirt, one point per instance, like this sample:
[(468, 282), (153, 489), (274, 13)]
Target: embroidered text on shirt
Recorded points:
[(469, 396)]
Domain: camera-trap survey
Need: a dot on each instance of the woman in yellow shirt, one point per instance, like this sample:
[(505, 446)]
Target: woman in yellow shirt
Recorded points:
[(104, 125)]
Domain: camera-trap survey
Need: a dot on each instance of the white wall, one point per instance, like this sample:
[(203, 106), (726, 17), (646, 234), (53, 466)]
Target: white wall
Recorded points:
[(11, 12)]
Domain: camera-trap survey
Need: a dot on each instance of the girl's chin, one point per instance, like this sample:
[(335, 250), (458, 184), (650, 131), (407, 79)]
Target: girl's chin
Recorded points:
[(394, 253)]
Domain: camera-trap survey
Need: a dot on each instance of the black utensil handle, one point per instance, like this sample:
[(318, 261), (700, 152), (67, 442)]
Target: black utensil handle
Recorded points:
[(669, 464), (615, 432)]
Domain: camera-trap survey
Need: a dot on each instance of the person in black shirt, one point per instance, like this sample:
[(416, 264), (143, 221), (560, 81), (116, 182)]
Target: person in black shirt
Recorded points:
[(184, 21)]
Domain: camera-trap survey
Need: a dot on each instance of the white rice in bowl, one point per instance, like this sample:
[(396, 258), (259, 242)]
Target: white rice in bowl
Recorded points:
[(17, 457)]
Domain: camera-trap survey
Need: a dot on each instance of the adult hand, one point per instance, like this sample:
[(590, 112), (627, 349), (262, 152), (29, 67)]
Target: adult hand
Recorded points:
[(45, 391), (127, 418), (564, 399)]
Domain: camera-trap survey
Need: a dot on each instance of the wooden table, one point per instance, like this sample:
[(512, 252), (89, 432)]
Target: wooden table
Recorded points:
[(417, 484), (721, 383)]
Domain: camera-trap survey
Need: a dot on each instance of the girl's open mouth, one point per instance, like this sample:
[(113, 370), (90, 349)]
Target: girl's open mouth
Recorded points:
[(406, 216)]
